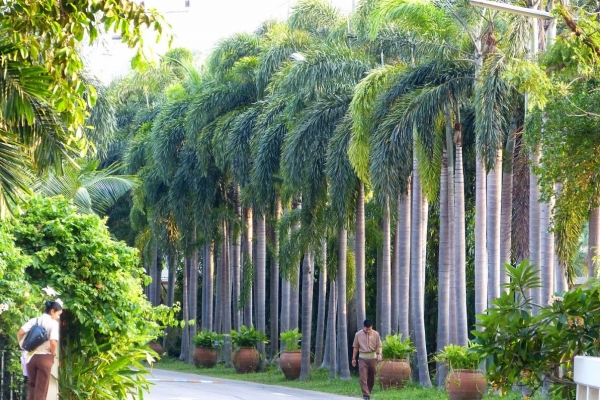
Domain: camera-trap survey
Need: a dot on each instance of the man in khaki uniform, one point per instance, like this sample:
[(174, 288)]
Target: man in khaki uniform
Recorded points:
[(367, 346)]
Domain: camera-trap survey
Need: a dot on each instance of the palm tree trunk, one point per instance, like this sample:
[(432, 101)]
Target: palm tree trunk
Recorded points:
[(210, 286), (237, 262), (219, 292), (193, 293), (322, 305), (185, 311), (451, 331), (307, 300), (481, 256), (507, 202), (341, 299), (444, 265), (460, 244), (248, 275), (152, 292), (494, 202), (332, 329), (379, 302), (274, 287), (386, 276), (395, 310), (593, 242), (361, 313), (546, 251), (295, 284), (559, 269), (260, 271), (226, 308), (404, 219), (170, 290), (534, 223), (416, 277)]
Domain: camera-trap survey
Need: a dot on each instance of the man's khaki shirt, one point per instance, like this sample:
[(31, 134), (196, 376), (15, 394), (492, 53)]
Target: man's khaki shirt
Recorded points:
[(367, 343)]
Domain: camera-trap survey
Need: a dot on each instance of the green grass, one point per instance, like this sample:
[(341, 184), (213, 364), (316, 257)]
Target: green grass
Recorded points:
[(319, 381)]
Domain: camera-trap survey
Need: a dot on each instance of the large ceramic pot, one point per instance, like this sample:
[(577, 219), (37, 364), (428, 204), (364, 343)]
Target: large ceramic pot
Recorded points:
[(465, 384), (393, 374), (157, 347), (245, 359), (205, 357), (291, 363)]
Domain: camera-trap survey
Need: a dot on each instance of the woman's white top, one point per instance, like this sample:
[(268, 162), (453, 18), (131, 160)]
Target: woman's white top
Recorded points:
[(52, 329)]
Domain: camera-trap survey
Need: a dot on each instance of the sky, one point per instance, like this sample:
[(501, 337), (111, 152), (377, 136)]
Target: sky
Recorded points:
[(197, 27)]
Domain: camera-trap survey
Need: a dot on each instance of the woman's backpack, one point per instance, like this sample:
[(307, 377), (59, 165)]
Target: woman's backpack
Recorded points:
[(35, 337)]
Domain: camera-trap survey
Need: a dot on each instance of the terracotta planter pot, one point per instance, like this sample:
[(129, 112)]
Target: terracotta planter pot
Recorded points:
[(205, 357), (245, 360), (393, 374), (465, 384), (157, 347), (290, 363)]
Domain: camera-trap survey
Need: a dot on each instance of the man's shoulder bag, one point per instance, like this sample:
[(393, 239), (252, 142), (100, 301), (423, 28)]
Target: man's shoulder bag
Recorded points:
[(35, 337)]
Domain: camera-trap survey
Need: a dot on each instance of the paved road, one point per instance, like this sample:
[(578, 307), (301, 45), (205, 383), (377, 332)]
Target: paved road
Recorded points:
[(178, 386)]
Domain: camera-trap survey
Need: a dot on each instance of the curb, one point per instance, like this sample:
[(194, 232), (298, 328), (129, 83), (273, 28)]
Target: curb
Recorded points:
[(184, 381)]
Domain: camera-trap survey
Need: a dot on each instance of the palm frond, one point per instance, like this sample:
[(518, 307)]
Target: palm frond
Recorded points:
[(230, 50), (366, 93), (314, 16), (491, 105), (341, 175)]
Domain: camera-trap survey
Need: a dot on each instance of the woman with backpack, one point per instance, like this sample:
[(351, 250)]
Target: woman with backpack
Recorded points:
[(40, 359)]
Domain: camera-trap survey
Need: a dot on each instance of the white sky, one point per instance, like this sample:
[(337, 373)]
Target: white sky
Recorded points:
[(197, 28)]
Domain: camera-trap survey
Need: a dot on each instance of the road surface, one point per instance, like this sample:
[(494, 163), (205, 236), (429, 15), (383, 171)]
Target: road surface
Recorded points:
[(179, 386)]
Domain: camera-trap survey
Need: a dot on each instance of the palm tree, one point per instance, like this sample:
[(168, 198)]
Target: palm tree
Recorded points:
[(92, 190)]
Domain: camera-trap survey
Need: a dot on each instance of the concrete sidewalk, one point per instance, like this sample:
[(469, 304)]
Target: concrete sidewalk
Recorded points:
[(169, 385)]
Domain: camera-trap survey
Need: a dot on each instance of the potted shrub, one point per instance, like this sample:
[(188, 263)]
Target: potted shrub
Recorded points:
[(395, 369), (245, 357), (291, 358), (207, 344), (464, 381)]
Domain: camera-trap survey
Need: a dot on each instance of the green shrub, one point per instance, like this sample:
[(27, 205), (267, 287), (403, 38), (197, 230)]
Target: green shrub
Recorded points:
[(247, 337), (291, 339), (526, 348), (459, 357), (394, 348), (208, 339), (107, 321)]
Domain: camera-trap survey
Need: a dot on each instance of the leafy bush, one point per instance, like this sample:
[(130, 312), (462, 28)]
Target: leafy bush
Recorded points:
[(208, 339), (291, 339), (394, 348), (460, 357), (247, 337), (107, 321), (523, 348)]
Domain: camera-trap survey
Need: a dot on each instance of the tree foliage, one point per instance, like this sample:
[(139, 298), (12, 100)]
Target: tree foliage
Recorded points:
[(107, 320)]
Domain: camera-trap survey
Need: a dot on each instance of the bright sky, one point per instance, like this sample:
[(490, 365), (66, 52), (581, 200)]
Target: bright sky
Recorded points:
[(197, 27)]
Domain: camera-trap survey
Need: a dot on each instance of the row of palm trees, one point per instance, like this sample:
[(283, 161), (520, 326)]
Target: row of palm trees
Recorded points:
[(258, 170)]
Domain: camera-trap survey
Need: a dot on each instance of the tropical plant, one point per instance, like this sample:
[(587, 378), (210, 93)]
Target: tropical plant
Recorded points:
[(106, 318), (394, 348), (247, 337), (527, 349), (291, 339), (460, 357), (208, 339), (90, 189)]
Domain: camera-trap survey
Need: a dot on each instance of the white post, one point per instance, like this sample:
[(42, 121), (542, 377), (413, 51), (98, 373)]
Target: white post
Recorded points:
[(585, 375)]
